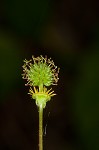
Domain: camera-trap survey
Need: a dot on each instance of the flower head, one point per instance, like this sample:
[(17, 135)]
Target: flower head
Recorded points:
[(42, 72)]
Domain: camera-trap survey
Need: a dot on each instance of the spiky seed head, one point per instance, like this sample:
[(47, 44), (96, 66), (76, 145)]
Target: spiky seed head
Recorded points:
[(41, 72)]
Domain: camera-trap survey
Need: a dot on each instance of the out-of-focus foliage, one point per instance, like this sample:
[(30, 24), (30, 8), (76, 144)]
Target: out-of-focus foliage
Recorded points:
[(27, 17), (86, 100), (10, 63)]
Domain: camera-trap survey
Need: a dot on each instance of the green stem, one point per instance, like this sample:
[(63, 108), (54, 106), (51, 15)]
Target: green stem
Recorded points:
[(40, 127), (41, 88)]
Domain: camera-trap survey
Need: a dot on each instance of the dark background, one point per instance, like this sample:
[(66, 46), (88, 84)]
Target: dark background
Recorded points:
[(68, 32)]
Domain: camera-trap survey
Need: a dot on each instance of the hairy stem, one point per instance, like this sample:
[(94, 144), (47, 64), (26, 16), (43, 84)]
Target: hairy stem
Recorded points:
[(40, 128)]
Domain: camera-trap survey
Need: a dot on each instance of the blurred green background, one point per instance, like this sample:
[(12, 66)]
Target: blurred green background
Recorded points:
[(68, 32)]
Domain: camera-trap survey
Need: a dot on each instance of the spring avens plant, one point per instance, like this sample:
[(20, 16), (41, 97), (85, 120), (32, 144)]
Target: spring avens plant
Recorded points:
[(40, 73)]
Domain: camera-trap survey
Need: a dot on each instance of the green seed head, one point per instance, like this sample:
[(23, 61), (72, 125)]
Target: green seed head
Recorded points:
[(41, 72)]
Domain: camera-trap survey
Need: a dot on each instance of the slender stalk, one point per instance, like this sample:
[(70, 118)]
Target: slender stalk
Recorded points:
[(41, 88), (40, 128)]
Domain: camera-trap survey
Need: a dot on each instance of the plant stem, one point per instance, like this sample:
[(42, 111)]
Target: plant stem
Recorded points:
[(40, 127), (41, 88)]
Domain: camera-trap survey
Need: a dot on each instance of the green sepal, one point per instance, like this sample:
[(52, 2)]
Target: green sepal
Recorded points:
[(41, 99)]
